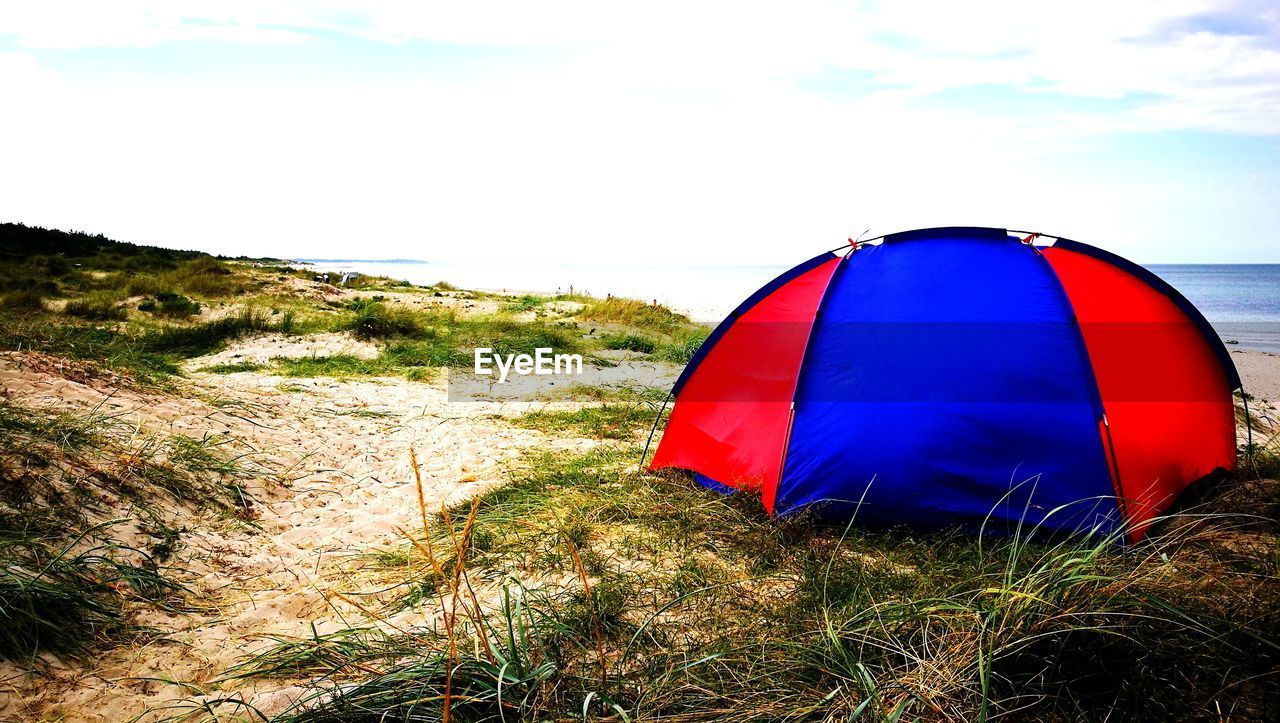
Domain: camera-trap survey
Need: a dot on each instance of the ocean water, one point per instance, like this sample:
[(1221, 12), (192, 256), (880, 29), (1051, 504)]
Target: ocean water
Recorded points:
[(1241, 300)]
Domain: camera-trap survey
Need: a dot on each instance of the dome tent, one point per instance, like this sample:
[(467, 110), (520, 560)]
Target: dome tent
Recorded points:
[(960, 376)]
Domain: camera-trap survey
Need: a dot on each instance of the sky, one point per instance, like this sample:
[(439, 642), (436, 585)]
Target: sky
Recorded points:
[(649, 133)]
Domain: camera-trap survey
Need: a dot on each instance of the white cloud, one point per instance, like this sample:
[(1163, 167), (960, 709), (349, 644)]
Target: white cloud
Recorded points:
[(667, 131)]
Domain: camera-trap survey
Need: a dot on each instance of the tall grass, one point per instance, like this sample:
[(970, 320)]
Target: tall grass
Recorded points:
[(588, 589), (67, 585), (633, 312), (209, 336), (62, 597), (101, 307)]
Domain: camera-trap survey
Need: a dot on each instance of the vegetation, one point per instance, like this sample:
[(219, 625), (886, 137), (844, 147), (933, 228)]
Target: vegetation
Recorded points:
[(101, 307), (629, 342), (670, 583), (634, 313), (70, 481), (607, 421), (167, 303)]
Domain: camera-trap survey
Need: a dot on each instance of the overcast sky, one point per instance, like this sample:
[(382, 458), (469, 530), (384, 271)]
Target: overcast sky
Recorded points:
[(654, 132)]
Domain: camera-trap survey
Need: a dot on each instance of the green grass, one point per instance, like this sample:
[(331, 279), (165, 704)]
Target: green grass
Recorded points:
[(376, 320), (234, 368), (607, 421), (167, 303), (683, 345), (24, 300), (114, 349), (68, 585), (676, 602), (210, 336), (103, 307), (524, 303), (635, 313), (629, 342), (58, 598)]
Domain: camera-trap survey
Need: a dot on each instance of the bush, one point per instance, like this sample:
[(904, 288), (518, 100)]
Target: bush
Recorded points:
[(629, 342), (205, 276), (374, 320), (170, 304), (524, 303)]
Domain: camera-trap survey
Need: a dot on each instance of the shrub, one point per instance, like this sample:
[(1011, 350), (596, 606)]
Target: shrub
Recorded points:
[(144, 286), (170, 304), (524, 303), (205, 276), (374, 320)]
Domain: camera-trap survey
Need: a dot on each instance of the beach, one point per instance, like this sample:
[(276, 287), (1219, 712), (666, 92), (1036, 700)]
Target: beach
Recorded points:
[(346, 457)]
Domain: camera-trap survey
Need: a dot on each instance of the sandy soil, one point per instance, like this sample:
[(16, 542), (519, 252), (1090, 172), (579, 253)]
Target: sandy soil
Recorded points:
[(343, 485), (263, 349)]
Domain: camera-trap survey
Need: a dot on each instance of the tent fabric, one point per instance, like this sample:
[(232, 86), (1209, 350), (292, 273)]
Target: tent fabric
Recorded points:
[(1162, 386), (736, 409), (956, 376)]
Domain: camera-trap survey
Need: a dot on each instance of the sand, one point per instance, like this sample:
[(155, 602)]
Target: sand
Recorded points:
[(341, 484)]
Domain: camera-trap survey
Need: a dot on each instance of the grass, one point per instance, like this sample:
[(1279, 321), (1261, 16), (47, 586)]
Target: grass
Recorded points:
[(210, 336), (524, 303), (376, 320), (607, 421), (103, 307), (57, 599), (24, 300), (683, 345), (67, 584), (629, 342), (167, 303), (234, 368), (587, 589), (635, 313), (110, 348)]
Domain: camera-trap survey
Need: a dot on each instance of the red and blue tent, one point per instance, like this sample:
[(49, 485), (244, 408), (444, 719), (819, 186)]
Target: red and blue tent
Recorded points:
[(960, 376)]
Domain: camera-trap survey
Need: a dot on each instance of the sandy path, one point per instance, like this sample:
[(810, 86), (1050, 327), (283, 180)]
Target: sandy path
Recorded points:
[(346, 486)]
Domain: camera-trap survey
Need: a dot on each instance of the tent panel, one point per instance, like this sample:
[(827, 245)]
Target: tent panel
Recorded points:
[(945, 383), (732, 410), (1166, 394)]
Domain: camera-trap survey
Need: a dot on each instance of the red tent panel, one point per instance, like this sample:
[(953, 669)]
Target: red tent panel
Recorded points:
[(732, 418), (1166, 397)]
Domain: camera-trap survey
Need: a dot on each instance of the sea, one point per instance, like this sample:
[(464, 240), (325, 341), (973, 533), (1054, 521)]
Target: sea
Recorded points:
[(1242, 301)]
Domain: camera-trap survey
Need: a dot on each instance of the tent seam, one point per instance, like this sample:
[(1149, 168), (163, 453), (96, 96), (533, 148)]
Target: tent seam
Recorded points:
[(795, 389)]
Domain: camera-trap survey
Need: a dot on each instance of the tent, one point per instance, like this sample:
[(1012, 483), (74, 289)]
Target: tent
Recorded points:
[(960, 376)]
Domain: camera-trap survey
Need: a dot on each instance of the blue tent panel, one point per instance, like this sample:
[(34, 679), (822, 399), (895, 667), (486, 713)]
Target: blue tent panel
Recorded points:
[(972, 392)]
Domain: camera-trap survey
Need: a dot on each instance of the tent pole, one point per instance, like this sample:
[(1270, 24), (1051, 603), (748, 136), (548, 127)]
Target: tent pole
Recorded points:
[(1248, 427), (654, 429)]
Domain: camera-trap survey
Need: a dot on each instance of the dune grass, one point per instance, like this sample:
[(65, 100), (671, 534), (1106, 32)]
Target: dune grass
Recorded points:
[(586, 589), (634, 313), (606, 421), (68, 585), (629, 342), (99, 307), (210, 336)]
